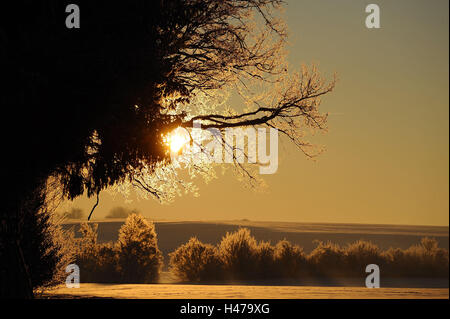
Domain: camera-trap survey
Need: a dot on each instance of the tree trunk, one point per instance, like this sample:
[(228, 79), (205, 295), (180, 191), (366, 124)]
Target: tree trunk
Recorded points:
[(15, 278)]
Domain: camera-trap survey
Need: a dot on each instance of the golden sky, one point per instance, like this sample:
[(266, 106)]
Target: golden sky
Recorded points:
[(387, 149)]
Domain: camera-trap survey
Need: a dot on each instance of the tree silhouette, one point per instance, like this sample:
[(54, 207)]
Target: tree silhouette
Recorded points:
[(86, 107)]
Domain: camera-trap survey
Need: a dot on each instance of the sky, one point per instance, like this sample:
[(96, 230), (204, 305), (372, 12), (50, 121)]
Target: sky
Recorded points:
[(387, 147)]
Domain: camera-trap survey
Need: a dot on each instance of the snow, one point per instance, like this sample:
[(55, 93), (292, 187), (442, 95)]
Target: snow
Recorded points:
[(181, 291)]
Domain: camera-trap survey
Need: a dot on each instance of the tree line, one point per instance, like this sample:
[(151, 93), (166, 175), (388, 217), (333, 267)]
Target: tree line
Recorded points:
[(136, 258)]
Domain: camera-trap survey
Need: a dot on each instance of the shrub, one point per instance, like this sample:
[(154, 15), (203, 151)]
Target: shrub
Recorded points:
[(106, 264), (290, 260), (97, 262), (238, 253), (139, 259), (195, 261), (360, 254), (425, 259), (433, 258), (44, 249), (238, 256), (135, 258), (326, 259), (265, 263)]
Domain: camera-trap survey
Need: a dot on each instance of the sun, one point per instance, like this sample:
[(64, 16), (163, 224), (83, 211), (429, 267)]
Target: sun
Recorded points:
[(177, 139)]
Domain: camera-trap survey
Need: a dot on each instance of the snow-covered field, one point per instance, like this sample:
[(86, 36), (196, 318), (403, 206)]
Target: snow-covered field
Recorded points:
[(179, 291)]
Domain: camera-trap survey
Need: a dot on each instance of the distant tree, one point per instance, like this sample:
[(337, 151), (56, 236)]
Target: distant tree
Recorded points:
[(87, 107), (74, 213), (140, 260), (120, 212)]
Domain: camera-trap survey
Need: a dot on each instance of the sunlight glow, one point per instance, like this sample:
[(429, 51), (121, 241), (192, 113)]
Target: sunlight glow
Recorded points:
[(177, 139)]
